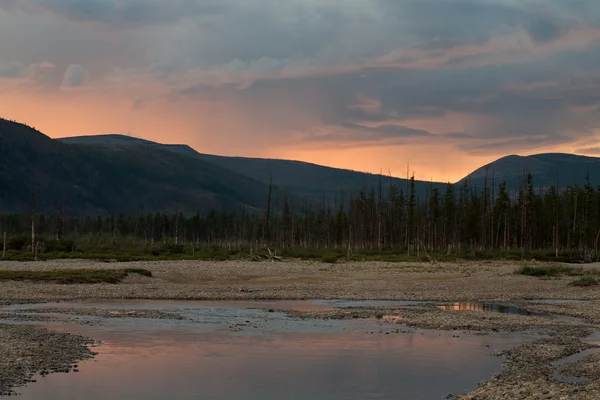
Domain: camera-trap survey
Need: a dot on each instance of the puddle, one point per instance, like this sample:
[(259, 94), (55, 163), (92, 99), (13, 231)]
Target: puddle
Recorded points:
[(571, 380), (236, 350), (582, 355), (488, 307), (507, 309)]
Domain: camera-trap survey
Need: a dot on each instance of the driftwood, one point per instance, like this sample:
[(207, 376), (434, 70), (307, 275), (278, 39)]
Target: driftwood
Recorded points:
[(269, 256), (431, 259)]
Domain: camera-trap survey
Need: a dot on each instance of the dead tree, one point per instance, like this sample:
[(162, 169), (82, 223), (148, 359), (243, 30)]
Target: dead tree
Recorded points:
[(33, 221), (268, 211)]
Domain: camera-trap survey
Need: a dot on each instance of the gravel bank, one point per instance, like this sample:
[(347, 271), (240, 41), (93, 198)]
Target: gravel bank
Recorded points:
[(100, 312), (431, 317), (26, 351), (203, 280)]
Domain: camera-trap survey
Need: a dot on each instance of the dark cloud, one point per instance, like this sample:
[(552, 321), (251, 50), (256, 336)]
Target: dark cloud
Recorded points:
[(122, 13), (520, 73)]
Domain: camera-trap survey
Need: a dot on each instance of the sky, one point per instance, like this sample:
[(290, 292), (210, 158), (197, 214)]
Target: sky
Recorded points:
[(443, 86)]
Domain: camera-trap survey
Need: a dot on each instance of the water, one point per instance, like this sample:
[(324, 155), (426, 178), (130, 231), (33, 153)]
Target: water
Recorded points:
[(229, 351), (488, 307), (582, 355)]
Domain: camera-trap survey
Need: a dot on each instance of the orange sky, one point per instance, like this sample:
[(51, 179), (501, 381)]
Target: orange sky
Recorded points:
[(83, 115), (214, 129)]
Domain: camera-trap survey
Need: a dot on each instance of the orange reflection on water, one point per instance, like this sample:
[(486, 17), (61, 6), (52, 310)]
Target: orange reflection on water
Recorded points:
[(466, 307), (149, 360), (487, 307)]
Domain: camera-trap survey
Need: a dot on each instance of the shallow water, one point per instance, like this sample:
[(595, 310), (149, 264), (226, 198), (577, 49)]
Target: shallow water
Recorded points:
[(582, 355), (230, 351), (488, 307)]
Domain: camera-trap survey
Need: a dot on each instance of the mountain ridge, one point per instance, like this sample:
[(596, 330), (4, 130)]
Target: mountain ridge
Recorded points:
[(511, 168), (299, 177), (89, 180), (547, 169), (119, 173)]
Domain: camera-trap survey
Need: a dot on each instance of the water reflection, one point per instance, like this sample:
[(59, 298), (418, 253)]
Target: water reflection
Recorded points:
[(488, 307), (348, 366), (281, 358)]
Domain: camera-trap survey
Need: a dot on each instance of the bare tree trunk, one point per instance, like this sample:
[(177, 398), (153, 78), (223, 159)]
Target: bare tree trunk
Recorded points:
[(177, 223), (268, 211), (380, 212), (407, 221), (4, 247), (33, 221)]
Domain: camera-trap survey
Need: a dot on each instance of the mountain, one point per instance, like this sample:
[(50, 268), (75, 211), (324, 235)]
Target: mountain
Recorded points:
[(298, 178), (117, 173), (109, 178), (546, 169)]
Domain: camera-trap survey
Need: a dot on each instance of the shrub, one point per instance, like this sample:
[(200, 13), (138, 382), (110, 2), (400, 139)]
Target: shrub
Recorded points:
[(550, 271), (173, 248), (59, 246), (18, 242), (329, 258)]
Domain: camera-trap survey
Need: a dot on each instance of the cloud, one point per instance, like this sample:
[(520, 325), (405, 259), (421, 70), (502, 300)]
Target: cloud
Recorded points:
[(119, 13), (476, 75), (75, 76)]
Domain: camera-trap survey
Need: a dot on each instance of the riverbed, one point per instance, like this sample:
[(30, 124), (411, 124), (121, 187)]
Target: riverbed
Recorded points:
[(466, 303)]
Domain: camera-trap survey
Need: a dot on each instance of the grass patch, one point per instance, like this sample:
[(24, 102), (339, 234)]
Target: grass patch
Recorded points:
[(139, 271), (73, 276), (552, 271), (329, 258), (587, 280)]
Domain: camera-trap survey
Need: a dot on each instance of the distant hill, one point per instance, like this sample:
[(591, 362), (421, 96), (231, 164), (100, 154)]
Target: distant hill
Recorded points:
[(108, 178), (546, 169), (117, 173), (300, 179)]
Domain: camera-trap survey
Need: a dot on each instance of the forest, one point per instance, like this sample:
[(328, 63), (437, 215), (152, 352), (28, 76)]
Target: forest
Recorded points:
[(384, 222)]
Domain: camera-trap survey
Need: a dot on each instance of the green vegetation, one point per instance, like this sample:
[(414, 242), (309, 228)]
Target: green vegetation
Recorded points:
[(552, 271), (329, 258), (588, 277), (586, 281), (73, 276)]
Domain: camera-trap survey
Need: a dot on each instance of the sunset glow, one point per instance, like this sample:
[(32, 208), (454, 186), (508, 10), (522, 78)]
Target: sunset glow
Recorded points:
[(367, 85)]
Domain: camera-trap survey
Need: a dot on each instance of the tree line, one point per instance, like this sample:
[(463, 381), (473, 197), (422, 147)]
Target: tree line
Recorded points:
[(458, 219)]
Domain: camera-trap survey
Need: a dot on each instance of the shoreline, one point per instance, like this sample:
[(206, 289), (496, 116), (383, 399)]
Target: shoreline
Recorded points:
[(27, 351), (527, 373)]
